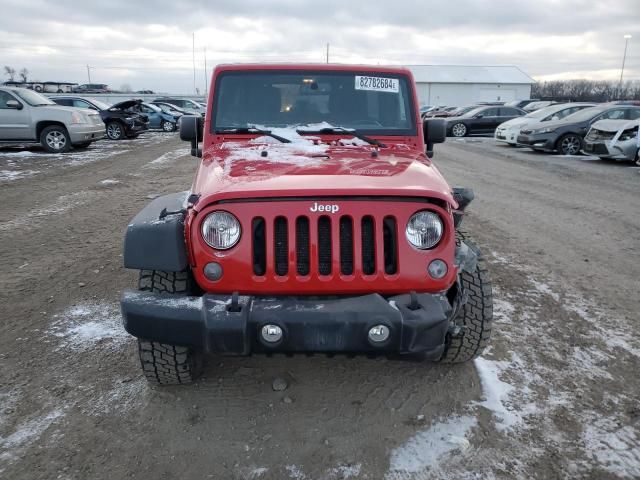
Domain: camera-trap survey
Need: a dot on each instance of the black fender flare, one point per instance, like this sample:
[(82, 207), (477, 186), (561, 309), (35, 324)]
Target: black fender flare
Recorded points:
[(154, 239)]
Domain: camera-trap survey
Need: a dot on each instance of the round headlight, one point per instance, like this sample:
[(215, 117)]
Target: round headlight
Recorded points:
[(221, 230), (424, 229)]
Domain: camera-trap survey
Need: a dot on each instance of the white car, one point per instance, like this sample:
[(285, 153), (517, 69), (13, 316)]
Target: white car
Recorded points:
[(508, 131), (614, 140)]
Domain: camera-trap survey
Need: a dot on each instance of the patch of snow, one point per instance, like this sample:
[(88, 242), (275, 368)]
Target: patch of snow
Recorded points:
[(109, 181), (123, 397), (427, 449), (61, 205), (544, 289), (345, 471), (496, 392), (167, 157), (256, 473), (30, 431), (295, 472), (503, 310), (615, 447), (10, 175), (21, 153), (83, 326)]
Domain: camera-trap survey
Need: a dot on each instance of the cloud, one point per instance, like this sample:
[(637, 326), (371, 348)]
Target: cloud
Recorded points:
[(149, 45)]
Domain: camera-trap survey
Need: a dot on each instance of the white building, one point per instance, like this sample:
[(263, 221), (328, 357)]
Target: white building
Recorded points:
[(458, 85)]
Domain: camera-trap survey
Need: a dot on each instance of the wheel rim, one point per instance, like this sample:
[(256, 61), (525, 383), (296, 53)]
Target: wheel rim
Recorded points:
[(459, 130), (168, 126), (570, 145), (56, 140), (114, 131)]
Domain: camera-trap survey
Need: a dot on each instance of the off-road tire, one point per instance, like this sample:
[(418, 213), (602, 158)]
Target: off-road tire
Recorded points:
[(165, 364), (475, 317)]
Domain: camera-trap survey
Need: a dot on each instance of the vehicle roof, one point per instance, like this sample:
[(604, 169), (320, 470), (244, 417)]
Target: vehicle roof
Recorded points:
[(328, 67)]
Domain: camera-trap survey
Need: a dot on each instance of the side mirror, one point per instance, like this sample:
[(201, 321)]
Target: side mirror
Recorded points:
[(191, 130), (480, 115), (14, 104), (434, 130)]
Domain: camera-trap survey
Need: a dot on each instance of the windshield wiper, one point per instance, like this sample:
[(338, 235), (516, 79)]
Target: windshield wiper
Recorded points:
[(350, 131), (253, 130)]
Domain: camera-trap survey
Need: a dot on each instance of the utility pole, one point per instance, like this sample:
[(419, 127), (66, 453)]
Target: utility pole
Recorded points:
[(624, 57), (327, 52), (89, 73), (206, 80), (193, 53)]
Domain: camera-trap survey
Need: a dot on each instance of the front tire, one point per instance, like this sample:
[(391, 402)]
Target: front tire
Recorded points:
[(55, 139), (168, 126), (459, 130), (476, 315), (569, 144), (115, 131), (162, 363)]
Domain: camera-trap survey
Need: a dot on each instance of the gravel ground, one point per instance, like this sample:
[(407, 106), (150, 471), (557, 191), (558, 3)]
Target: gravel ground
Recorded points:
[(555, 396)]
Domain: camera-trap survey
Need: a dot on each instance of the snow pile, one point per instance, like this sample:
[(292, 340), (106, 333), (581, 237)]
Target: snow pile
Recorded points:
[(496, 392), (109, 181), (167, 157), (427, 449), (84, 326)]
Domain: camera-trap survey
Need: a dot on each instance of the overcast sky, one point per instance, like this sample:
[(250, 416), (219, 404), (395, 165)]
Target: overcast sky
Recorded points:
[(148, 45)]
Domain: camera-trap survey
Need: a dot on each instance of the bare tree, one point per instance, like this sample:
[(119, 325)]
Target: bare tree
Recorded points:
[(11, 72), (583, 90), (24, 75)]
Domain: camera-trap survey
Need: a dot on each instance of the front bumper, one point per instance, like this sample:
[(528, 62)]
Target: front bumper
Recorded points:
[(508, 135), (625, 150), (418, 323), (541, 141), (79, 133)]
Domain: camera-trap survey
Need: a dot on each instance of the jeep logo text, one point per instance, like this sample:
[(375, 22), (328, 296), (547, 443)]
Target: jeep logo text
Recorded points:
[(324, 208)]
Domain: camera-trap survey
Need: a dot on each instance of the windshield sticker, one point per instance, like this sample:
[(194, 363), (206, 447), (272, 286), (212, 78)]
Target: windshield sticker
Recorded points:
[(377, 84)]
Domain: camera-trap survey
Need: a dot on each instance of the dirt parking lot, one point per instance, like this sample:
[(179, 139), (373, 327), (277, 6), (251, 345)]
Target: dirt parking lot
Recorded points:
[(555, 396)]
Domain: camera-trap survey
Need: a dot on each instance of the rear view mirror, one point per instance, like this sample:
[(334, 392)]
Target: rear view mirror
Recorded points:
[(191, 130), (14, 104), (434, 130)]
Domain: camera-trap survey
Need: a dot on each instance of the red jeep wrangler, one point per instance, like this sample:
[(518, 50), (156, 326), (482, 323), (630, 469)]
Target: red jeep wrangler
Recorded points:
[(316, 222)]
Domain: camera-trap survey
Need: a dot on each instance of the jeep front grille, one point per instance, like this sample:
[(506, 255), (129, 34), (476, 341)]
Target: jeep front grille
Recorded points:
[(355, 237)]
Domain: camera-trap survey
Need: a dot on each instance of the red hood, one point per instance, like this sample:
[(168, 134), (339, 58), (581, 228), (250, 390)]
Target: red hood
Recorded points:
[(239, 169)]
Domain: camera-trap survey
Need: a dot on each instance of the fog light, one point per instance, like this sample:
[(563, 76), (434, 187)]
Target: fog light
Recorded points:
[(378, 333), (213, 271), (437, 269), (271, 333)]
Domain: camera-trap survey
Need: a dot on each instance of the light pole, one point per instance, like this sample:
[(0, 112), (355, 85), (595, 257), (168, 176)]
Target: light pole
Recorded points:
[(624, 57)]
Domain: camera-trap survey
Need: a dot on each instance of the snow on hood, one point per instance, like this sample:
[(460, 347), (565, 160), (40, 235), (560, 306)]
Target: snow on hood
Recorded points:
[(615, 125), (264, 166)]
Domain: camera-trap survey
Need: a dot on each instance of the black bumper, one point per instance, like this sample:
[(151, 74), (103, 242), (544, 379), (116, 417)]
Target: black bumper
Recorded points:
[(545, 141), (217, 324)]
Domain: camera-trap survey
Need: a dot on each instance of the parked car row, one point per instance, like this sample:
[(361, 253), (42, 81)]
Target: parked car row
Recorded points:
[(608, 130), (64, 122)]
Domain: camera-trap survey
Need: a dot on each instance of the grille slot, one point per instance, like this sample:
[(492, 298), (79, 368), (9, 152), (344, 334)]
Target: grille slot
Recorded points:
[(390, 239), (324, 245), (259, 246), (368, 246), (346, 245), (281, 246), (302, 245)]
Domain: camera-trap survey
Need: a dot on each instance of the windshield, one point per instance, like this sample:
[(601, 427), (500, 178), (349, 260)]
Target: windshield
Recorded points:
[(543, 112), (33, 98), (99, 104), (378, 104)]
